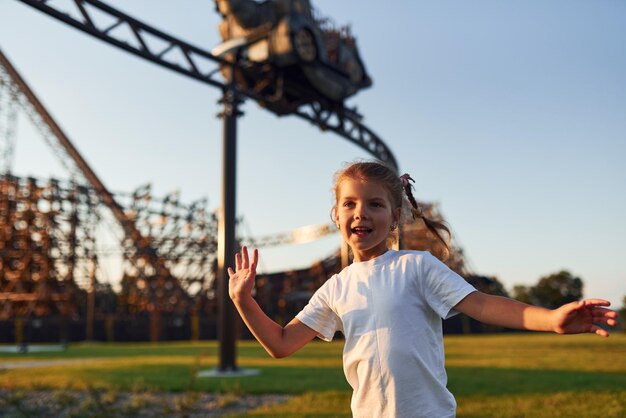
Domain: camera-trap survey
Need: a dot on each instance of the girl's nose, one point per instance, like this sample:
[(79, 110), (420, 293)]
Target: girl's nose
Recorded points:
[(360, 213)]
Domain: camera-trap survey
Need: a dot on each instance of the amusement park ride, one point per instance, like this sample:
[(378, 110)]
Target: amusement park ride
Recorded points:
[(278, 53)]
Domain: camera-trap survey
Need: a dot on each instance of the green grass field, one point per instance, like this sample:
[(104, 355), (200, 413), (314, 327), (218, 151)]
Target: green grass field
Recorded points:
[(514, 375)]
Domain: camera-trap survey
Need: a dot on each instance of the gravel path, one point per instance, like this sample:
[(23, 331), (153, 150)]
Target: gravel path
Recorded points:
[(111, 404), (27, 364)]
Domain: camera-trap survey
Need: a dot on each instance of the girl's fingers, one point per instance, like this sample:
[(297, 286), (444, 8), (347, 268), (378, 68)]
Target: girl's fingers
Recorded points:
[(604, 319), (595, 302), (246, 259), (231, 273), (242, 260), (238, 261), (599, 331), (255, 259), (604, 312)]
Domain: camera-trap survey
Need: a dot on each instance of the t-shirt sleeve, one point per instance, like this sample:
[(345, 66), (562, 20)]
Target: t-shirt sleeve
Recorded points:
[(318, 314), (443, 288)]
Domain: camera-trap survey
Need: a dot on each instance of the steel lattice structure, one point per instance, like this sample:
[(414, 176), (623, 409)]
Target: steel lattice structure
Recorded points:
[(149, 283), (48, 251), (47, 245), (184, 237)]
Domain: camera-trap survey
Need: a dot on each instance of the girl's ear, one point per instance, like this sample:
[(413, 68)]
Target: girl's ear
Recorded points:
[(396, 215)]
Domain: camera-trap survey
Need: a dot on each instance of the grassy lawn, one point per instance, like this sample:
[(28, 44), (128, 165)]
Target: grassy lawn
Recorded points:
[(516, 375)]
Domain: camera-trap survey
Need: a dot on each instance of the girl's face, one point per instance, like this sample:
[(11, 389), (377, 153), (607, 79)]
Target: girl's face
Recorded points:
[(365, 216)]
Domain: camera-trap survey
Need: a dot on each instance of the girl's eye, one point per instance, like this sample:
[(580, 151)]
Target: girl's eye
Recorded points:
[(348, 204)]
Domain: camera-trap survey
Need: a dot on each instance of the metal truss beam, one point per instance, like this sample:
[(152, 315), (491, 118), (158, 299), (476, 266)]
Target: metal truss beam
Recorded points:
[(297, 236), (143, 38), (8, 119)]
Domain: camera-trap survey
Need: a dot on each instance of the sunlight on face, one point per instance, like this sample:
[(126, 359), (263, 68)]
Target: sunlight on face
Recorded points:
[(365, 216)]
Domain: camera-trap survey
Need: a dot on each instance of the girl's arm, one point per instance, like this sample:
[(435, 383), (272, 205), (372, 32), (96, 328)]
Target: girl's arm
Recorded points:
[(278, 341), (572, 318)]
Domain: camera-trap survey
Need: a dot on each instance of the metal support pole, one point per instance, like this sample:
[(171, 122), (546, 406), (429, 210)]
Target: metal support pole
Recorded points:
[(91, 303), (226, 232)]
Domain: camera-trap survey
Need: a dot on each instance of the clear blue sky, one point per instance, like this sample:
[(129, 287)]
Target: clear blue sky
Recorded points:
[(511, 115)]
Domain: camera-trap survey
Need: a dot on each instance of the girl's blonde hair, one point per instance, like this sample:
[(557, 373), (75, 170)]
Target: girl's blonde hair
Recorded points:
[(399, 192)]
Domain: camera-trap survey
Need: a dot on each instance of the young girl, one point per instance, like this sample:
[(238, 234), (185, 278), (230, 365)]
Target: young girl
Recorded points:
[(389, 304)]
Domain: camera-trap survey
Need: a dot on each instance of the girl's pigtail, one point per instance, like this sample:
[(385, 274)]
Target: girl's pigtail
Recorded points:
[(418, 213)]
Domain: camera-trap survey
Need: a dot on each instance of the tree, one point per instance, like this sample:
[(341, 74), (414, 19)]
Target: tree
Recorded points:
[(465, 324), (522, 293), (556, 289), (489, 285)]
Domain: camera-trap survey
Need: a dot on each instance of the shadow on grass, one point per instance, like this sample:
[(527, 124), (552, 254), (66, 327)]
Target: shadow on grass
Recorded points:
[(295, 380), (464, 381), (120, 350), (176, 378), (289, 379), (245, 350), (489, 393)]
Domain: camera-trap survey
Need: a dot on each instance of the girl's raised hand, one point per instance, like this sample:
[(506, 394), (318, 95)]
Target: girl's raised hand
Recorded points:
[(241, 280), (584, 316)]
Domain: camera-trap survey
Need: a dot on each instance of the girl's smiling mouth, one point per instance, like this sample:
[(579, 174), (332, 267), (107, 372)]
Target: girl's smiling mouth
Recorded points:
[(361, 231)]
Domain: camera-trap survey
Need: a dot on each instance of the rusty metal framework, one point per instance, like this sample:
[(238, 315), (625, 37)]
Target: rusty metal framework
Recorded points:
[(72, 160), (8, 119), (184, 237), (49, 253), (47, 245), (150, 284)]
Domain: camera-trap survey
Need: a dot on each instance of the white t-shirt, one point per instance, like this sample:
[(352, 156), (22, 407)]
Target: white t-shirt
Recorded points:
[(390, 309)]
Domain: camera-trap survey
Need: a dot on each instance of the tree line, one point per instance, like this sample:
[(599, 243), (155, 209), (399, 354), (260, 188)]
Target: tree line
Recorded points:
[(550, 292)]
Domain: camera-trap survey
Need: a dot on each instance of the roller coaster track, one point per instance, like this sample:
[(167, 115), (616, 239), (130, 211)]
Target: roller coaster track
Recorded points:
[(296, 236), (89, 15), (74, 162)]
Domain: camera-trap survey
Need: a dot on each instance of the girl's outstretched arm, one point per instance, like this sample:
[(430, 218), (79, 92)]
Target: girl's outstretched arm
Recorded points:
[(278, 341), (572, 318)]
